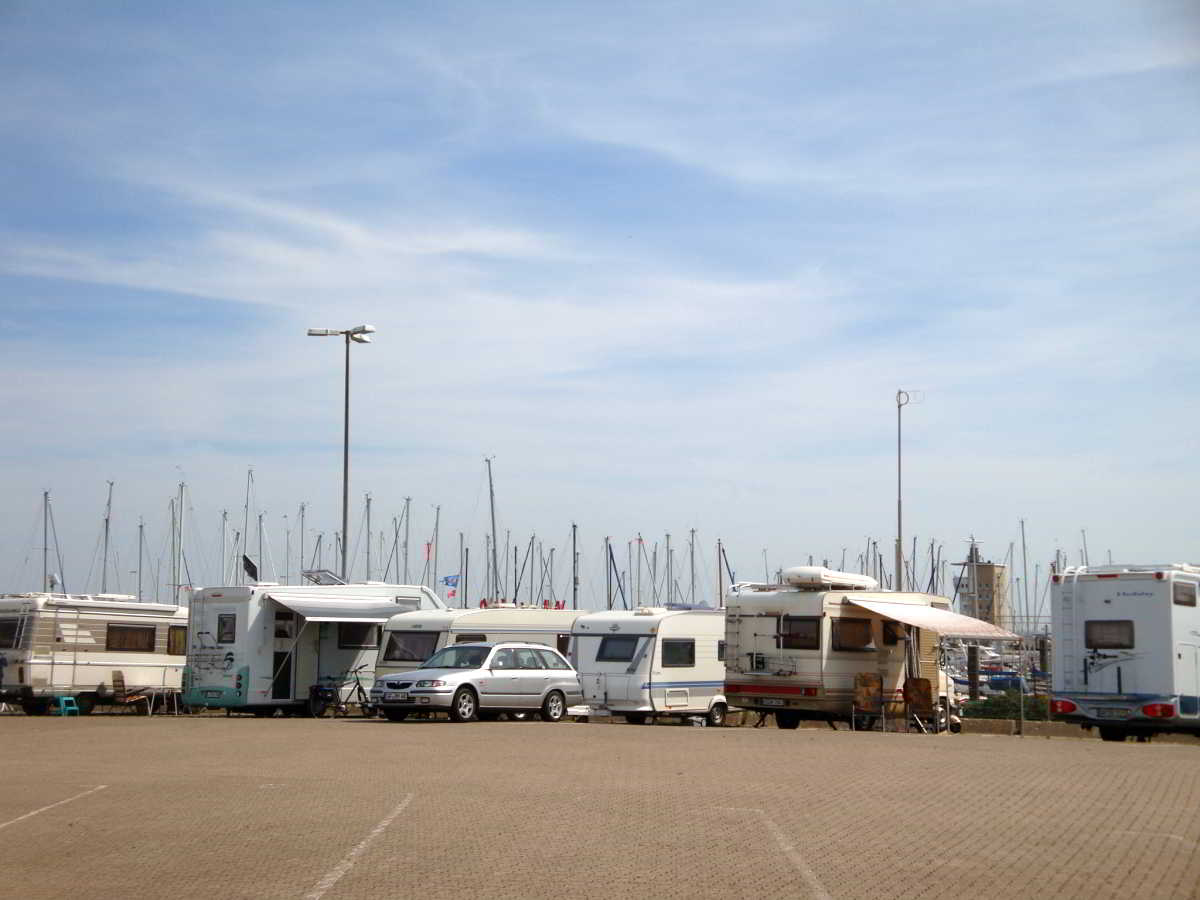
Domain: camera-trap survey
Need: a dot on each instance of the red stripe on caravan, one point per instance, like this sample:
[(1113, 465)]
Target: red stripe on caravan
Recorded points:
[(769, 688)]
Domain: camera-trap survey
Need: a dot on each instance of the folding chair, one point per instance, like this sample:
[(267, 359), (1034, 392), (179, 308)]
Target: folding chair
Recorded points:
[(127, 698)]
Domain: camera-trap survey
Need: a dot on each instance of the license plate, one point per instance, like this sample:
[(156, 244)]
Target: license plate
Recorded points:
[(1112, 714), (771, 701), (212, 694), (396, 695)]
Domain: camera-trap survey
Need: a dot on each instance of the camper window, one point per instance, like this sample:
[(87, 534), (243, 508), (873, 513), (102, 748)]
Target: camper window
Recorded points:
[(720, 651), (135, 638), (470, 639), (552, 660), (177, 640), (285, 623), (226, 628), (8, 634), (800, 633), (678, 654), (893, 633), (358, 635), (852, 634), (403, 646), (1183, 593), (617, 648), (1115, 634)]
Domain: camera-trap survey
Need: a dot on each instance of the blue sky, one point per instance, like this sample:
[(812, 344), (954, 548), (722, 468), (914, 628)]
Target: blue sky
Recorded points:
[(667, 264)]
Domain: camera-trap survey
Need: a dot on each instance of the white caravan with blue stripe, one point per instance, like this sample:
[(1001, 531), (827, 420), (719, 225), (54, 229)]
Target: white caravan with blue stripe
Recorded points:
[(411, 638), (1127, 649), (648, 663)]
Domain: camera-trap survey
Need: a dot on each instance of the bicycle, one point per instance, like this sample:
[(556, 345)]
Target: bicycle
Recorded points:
[(357, 696)]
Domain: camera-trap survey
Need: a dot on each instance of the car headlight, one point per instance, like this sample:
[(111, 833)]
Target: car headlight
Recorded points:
[(433, 683)]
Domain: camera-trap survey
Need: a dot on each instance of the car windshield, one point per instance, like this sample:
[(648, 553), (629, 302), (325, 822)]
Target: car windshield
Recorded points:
[(457, 658)]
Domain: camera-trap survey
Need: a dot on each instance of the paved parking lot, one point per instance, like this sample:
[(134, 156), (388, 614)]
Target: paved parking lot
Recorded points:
[(129, 807)]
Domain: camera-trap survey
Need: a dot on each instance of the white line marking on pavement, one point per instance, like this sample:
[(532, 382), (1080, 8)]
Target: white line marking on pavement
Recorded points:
[(51, 806), (335, 874), (789, 850)]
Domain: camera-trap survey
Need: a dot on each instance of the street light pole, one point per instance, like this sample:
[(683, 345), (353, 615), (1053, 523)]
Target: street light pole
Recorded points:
[(360, 335), (902, 399)]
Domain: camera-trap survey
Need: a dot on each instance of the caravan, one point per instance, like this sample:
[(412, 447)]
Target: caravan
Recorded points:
[(1127, 649), (264, 647), (650, 663), (799, 648), (411, 638), (68, 645)]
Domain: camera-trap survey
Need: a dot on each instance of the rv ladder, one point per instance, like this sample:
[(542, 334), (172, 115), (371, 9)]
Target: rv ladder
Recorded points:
[(1067, 640)]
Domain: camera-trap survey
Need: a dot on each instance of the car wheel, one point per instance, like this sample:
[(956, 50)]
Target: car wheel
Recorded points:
[(395, 715), (554, 707), (716, 715), (787, 719), (465, 706)]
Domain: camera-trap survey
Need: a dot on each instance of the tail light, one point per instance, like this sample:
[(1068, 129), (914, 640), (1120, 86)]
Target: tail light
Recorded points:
[(1055, 579), (1062, 707), (1159, 710), (810, 692), (1158, 576)]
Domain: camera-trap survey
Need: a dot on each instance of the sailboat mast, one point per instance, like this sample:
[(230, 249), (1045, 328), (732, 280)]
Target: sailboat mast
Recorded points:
[(720, 577), (492, 505), (692, 562), (670, 573), (368, 501), (246, 518), (574, 570), (407, 504), (607, 573), (46, 541), (107, 520), (141, 543), (437, 524)]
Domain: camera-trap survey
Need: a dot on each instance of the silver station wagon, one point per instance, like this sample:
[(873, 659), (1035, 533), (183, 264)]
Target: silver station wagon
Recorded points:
[(480, 680)]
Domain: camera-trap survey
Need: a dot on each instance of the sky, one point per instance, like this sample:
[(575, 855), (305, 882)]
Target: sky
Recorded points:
[(666, 264)]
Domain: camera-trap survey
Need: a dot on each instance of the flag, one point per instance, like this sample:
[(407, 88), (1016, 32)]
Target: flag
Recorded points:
[(451, 594), (250, 568), (450, 581), (428, 548)]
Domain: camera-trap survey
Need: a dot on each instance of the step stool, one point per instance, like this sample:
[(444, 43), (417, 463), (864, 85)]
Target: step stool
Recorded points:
[(67, 706)]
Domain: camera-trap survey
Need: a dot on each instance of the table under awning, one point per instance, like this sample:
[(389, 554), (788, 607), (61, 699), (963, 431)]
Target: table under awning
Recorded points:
[(947, 624), (317, 608)]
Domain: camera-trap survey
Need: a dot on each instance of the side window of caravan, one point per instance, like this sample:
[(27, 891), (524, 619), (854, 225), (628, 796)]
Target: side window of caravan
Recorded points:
[(720, 651), (852, 634), (134, 638), (678, 653), (1114, 634), (358, 635), (470, 639), (8, 634), (285, 623), (1183, 593), (800, 633), (177, 640), (409, 646), (893, 633), (617, 648), (226, 628)]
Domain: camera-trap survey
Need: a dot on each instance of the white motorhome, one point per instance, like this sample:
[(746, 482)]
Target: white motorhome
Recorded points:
[(797, 648), (411, 638), (267, 647), (651, 663), (1126, 655), (69, 645)]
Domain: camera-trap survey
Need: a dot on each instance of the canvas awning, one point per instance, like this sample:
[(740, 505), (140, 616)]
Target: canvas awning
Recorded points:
[(317, 608), (946, 623)]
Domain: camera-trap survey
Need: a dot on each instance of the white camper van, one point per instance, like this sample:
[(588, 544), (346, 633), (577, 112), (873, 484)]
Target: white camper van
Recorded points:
[(1127, 649), (70, 645), (797, 648), (264, 647), (651, 662), (411, 638)]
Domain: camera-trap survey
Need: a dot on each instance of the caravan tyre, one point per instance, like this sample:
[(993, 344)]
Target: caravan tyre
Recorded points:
[(395, 715), (465, 706), (716, 715), (635, 718), (35, 707), (554, 707), (788, 719)]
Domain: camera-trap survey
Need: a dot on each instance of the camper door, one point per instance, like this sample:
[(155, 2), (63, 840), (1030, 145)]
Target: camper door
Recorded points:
[(618, 669)]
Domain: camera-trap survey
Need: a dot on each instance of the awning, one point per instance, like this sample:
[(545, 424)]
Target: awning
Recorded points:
[(944, 622), (316, 608)]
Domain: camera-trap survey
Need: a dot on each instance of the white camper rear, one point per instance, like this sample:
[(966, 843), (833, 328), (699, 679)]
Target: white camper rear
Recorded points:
[(260, 648), (648, 663), (411, 638), (1127, 648)]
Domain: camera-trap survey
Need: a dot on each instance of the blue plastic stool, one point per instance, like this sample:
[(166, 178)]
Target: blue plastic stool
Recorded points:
[(67, 706)]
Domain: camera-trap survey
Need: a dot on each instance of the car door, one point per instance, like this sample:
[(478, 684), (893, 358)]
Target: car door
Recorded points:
[(532, 677), (497, 683)]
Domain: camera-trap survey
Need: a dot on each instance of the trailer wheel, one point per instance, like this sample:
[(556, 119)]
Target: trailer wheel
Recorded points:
[(465, 706), (35, 707), (554, 707), (395, 715), (1112, 733), (635, 718), (786, 718), (716, 715)]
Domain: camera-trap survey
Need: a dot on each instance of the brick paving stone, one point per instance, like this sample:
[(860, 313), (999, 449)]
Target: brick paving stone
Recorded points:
[(214, 807)]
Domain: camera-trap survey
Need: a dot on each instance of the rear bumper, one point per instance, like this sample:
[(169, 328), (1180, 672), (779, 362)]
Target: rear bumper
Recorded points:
[(1127, 711)]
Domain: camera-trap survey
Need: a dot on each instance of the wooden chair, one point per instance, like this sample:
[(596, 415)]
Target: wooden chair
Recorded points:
[(127, 698), (918, 698)]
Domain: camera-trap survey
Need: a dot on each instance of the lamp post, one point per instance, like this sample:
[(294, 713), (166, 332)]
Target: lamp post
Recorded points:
[(902, 399), (359, 335)]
